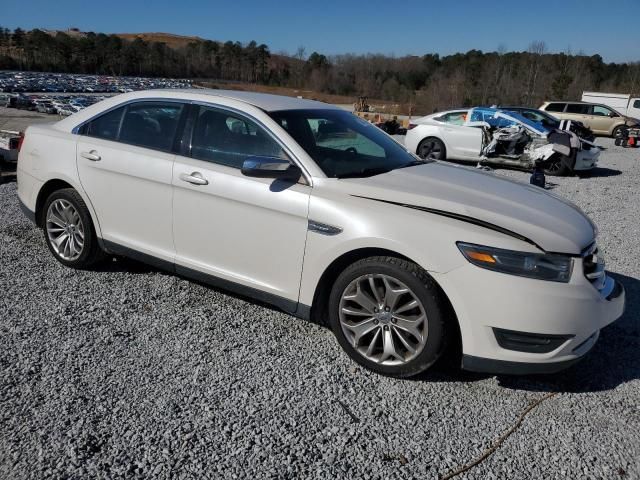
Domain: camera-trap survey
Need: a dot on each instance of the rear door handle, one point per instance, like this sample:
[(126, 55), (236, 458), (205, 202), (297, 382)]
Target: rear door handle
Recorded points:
[(195, 178), (92, 155)]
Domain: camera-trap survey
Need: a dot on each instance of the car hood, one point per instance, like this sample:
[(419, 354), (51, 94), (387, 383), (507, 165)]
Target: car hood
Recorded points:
[(552, 223)]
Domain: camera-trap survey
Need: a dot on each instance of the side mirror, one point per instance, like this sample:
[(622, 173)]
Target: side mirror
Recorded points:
[(270, 167), (612, 115)]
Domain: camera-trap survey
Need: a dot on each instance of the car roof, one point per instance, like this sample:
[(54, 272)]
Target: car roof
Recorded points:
[(265, 101)]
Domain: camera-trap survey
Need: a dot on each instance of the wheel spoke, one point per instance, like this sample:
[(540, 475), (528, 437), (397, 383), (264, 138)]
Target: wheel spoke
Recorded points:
[(410, 326), (374, 289), (391, 295), (407, 306), (362, 299), (404, 341), (360, 329), (388, 347), (373, 342)]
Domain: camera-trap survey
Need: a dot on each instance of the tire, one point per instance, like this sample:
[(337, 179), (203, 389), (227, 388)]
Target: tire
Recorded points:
[(555, 167), (432, 148), (66, 214), (617, 132), (393, 275)]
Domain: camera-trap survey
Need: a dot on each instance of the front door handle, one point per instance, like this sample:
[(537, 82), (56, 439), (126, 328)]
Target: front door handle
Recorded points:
[(195, 178), (92, 155)]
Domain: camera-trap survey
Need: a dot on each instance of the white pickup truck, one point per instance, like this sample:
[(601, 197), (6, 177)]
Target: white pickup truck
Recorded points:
[(624, 103)]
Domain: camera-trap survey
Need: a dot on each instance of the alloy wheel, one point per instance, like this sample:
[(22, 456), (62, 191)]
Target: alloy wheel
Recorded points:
[(383, 319), (65, 229)]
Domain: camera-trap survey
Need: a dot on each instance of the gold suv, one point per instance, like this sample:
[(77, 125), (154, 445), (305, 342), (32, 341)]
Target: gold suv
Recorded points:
[(603, 120)]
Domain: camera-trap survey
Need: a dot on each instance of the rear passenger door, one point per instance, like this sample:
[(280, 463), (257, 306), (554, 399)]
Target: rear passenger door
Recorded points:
[(247, 231), (125, 163)]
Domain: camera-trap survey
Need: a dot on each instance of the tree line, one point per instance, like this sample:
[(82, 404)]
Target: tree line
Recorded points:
[(426, 83)]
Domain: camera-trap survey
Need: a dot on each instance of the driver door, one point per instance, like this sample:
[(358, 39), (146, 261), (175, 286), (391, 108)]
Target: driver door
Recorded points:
[(243, 230)]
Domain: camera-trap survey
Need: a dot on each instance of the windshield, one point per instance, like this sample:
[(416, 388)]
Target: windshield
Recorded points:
[(342, 144)]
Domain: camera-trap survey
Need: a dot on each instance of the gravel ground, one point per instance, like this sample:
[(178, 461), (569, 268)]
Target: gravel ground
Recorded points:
[(127, 371)]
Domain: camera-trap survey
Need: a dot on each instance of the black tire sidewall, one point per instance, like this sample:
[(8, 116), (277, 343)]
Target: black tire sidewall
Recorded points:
[(91, 251), (422, 286)]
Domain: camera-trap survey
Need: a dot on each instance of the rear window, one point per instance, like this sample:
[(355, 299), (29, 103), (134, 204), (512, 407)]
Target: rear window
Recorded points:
[(105, 126), (150, 124), (577, 108), (555, 107)]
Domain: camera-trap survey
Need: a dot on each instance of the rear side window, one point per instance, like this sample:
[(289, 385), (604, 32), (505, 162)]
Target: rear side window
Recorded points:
[(555, 107), (223, 137), (578, 108), (105, 126), (151, 124)]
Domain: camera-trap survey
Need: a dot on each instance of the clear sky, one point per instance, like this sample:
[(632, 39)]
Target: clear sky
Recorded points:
[(607, 27)]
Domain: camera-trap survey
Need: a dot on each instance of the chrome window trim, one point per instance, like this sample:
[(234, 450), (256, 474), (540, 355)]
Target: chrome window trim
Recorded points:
[(77, 128)]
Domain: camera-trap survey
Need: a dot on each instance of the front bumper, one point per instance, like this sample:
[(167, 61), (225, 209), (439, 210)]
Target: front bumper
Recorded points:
[(587, 159), (486, 302)]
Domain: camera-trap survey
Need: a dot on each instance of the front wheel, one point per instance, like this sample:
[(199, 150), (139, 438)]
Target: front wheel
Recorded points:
[(618, 132), (556, 167), (389, 316)]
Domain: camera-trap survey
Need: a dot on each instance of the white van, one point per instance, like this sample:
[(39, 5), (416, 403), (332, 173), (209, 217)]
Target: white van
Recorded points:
[(626, 104)]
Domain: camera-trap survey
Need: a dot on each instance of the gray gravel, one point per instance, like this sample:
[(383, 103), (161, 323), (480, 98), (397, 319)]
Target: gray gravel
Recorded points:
[(127, 371)]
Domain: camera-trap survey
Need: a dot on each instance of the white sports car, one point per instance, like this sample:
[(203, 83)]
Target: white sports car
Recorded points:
[(489, 135)]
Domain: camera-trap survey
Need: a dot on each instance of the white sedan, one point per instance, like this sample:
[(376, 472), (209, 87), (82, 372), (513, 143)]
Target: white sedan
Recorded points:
[(304, 205), (493, 136)]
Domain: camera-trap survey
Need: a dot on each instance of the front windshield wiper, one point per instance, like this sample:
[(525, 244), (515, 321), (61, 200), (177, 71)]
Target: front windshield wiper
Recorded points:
[(365, 172)]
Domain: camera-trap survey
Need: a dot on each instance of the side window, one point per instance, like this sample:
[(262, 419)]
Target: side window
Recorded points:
[(579, 108), (636, 104), (555, 107), (454, 118), (150, 124), (229, 139), (105, 126), (601, 111)]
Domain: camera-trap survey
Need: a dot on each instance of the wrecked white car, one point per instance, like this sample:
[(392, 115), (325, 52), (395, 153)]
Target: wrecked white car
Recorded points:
[(491, 136)]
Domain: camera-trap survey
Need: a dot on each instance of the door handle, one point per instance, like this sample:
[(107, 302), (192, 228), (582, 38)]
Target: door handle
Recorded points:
[(195, 178), (92, 155)]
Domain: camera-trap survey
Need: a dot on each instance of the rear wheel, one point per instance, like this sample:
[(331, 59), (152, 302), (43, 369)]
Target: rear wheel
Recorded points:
[(432, 148), (69, 231), (388, 315)]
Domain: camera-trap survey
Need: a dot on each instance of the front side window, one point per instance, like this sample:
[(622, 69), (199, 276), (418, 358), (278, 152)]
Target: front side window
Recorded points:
[(601, 111), (223, 137), (636, 104), (150, 124), (343, 145)]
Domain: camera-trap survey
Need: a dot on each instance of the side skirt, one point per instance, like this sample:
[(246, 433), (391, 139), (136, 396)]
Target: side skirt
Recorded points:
[(289, 306)]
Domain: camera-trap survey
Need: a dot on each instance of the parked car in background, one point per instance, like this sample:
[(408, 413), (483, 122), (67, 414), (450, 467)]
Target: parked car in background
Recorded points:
[(603, 120), (625, 103), (306, 206), (550, 122), (492, 136)]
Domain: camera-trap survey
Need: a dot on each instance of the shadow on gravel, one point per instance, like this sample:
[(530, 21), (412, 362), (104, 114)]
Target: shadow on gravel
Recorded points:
[(614, 360), (599, 172)]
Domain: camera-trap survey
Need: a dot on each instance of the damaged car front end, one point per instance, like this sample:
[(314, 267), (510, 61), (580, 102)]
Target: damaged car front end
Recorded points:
[(513, 140)]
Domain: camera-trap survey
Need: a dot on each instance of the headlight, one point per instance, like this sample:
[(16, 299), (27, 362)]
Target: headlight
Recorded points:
[(552, 267)]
